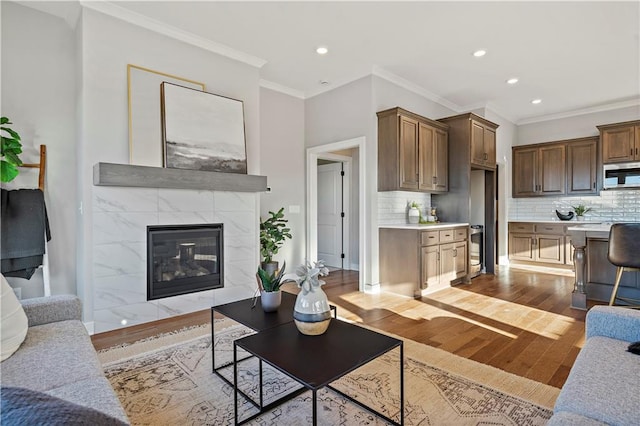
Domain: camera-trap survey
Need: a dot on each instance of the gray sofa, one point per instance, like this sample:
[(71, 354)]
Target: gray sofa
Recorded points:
[(603, 386), (58, 358)]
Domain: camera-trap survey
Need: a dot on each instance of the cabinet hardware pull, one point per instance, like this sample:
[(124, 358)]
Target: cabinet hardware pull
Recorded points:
[(631, 153), (594, 185), (636, 151), (435, 180)]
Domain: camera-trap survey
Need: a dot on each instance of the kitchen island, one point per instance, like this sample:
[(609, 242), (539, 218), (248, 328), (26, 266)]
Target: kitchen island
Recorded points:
[(419, 259), (594, 274)]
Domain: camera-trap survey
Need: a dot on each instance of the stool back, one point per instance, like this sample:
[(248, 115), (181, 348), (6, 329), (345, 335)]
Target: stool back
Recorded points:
[(624, 245)]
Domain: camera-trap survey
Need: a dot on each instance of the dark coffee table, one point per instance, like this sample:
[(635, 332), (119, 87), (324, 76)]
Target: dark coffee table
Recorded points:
[(251, 315), (317, 361)]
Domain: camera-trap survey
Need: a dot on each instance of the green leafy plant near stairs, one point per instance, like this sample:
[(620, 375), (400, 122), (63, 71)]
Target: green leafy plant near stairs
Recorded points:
[(11, 147)]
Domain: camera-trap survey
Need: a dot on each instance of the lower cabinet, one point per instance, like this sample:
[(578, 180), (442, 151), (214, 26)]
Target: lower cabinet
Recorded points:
[(540, 243), (414, 260)]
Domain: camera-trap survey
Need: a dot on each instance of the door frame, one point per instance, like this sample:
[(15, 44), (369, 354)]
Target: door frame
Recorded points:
[(312, 198), (346, 203)]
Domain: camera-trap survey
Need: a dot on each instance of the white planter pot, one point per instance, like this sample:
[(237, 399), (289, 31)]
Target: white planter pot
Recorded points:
[(414, 215)]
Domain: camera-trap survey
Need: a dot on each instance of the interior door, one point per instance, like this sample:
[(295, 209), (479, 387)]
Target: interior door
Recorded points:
[(330, 214)]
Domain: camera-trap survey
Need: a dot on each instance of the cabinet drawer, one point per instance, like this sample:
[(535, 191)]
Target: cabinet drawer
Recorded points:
[(460, 234), (545, 228), (521, 227), (429, 238), (446, 235)]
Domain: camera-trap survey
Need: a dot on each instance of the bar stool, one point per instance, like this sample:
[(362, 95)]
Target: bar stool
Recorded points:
[(624, 253)]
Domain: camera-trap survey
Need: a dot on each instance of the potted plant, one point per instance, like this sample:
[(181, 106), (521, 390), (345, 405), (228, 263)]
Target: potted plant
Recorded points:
[(269, 285), (580, 210), (414, 212), (10, 149), (273, 233)]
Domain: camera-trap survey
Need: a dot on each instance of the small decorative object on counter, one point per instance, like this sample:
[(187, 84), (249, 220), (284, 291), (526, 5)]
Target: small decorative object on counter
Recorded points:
[(311, 313), (580, 210), (269, 285), (563, 216), (414, 212)]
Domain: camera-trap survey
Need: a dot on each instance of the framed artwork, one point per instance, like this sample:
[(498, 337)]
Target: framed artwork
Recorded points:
[(145, 129), (202, 131)]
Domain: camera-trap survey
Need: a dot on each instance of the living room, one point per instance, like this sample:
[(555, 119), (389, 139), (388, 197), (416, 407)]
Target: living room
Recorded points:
[(65, 86)]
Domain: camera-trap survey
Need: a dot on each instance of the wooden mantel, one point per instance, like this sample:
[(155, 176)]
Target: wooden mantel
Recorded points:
[(110, 174)]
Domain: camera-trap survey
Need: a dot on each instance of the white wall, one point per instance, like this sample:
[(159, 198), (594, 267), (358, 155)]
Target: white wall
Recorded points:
[(108, 45), (39, 96), (342, 114), (573, 127), (282, 160)]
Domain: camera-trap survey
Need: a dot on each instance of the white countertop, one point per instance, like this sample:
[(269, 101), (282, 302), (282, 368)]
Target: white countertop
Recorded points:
[(591, 227), (425, 226), (562, 222)]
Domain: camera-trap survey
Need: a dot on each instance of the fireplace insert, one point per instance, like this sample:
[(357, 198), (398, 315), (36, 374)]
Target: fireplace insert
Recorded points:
[(184, 259)]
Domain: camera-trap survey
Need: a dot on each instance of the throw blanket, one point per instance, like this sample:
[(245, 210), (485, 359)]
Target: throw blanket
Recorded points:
[(28, 407), (24, 224)]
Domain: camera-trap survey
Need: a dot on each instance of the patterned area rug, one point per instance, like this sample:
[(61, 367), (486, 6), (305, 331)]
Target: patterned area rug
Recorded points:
[(168, 380)]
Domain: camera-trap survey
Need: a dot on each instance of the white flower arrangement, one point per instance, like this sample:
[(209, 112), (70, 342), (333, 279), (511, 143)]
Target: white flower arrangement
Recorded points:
[(308, 273)]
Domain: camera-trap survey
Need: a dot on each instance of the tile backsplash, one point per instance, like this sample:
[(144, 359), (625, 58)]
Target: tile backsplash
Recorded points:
[(392, 206), (609, 206)]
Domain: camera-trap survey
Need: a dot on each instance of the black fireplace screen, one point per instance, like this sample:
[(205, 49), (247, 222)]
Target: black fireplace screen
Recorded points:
[(183, 259)]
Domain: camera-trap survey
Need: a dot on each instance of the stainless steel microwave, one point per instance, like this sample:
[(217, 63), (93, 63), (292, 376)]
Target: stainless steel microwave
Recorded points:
[(621, 175)]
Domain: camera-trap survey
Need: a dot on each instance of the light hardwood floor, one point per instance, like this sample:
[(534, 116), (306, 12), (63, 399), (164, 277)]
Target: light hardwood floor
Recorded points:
[(518, 321)]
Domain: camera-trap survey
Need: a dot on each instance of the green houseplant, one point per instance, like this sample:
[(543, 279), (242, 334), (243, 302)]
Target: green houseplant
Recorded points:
[(11, 147), (269, 285), (580, 210), (273, 233)]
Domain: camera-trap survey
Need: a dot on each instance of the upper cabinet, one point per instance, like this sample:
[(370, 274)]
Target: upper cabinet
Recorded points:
[(413, 152), (620, 142), (555, 168), (475, 135)]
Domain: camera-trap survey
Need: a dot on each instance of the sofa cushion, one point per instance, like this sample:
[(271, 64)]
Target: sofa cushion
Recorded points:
[(28, 407), (52, 355), (96, 393), (601, 382), (13, 321), (572, 419)]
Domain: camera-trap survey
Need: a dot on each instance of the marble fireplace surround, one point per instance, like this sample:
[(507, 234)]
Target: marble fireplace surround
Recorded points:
[(120, 215)]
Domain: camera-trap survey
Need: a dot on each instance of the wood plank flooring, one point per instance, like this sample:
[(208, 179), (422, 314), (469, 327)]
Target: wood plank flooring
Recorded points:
[(518, 321)]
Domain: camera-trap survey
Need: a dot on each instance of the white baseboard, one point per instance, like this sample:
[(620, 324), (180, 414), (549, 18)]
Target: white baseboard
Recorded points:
[(354, 267), (372, 288), (90, 327)]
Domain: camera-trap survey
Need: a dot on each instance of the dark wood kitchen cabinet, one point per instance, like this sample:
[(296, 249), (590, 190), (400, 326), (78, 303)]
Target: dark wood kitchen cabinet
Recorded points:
[(620, 142), (539, 242), (413, 261), (413, 152), (582, 171), (567, 167), (475, 136), (539, 170)]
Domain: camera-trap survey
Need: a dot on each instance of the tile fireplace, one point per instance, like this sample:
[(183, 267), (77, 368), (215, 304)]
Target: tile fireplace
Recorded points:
[(183, 259)]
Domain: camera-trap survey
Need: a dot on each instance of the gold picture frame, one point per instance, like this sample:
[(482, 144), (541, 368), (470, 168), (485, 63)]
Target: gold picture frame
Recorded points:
[(145, 127)]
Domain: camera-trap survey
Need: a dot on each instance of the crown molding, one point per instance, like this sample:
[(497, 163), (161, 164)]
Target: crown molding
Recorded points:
[(406, 84), (118, 12), (336, 84), (582, 111), (282, 89)]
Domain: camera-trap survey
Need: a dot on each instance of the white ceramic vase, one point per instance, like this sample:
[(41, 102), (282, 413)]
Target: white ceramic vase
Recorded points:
[(414, 215), (311, 313), (270, 300)]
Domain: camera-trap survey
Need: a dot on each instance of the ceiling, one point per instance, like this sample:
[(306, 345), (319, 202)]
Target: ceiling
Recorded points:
[(572, 55)]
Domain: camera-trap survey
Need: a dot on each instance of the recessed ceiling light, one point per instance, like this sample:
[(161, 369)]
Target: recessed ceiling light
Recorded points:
[(512, 80), (536, 101), (322, 50), (324, 82), (479, 53)]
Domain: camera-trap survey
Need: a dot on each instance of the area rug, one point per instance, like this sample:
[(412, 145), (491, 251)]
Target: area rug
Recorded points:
[(167, 380)]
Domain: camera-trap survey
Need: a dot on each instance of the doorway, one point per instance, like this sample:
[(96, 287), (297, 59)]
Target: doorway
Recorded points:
[(358, 237), (334, 182)]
